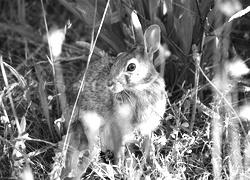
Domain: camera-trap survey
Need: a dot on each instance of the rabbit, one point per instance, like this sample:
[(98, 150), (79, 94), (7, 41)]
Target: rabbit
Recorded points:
[(122, 95)]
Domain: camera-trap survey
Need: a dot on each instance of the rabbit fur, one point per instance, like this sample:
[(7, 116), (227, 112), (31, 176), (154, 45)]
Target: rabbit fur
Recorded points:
[(121, 96)]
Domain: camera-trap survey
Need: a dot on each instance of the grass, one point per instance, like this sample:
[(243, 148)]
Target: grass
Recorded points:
[(205, 120)]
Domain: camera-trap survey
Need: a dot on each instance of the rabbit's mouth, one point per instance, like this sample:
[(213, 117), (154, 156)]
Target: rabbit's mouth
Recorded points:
[(114, 87)]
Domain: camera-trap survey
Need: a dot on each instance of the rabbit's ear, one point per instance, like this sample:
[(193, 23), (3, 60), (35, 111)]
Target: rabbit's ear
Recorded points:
[(152, 37), (137, 28)]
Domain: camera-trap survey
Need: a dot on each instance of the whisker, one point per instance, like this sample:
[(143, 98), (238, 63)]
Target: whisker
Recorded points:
[(153, 109), (128, 97)]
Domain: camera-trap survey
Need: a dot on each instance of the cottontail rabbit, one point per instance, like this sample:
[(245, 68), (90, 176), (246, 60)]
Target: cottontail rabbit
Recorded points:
[(121, 95)]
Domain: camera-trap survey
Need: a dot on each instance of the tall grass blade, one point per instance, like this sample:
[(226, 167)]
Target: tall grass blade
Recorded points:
[(43, 99)]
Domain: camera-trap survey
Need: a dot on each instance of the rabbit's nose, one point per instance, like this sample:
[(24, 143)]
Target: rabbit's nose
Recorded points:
[(110, 83)]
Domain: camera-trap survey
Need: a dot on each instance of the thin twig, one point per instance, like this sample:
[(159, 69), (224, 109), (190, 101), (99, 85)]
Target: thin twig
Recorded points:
[(93, 43), (51, 60), (196, 58)]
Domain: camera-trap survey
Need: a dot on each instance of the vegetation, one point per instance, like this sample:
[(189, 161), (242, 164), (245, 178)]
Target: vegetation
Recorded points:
[(203, 59)]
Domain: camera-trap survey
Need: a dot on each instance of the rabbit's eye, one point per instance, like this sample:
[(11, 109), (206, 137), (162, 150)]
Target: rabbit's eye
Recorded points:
[(131, 67)]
